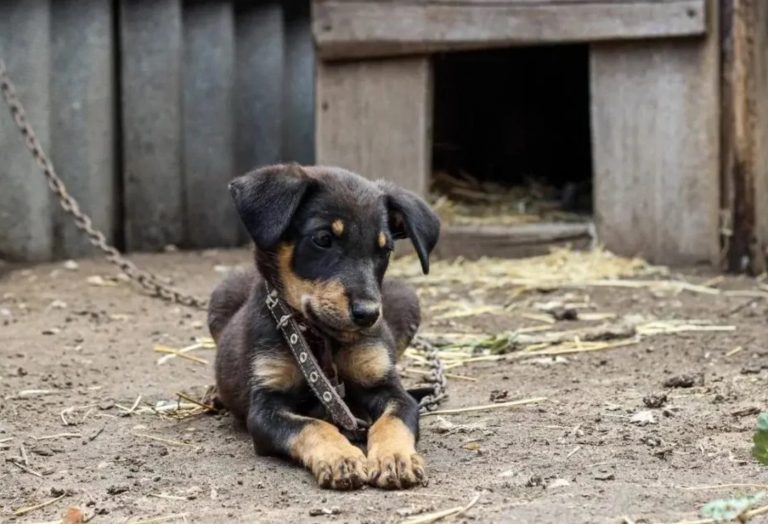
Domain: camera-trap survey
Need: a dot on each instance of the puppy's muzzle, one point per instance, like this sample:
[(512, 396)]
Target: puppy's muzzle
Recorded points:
[(365, 313)]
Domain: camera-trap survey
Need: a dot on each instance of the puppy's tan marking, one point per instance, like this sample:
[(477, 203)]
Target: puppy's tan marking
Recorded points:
[(365, 364), (327, 299), (331, 299), (382, 239), (330, 457), (392, 459), (294, 287), (277, 372), (337, 226)]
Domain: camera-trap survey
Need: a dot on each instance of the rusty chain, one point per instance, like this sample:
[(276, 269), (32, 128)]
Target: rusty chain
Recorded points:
[(146, 279)]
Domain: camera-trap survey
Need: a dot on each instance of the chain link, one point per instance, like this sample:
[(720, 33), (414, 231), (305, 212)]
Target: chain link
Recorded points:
[(147, 280), (436, 376)]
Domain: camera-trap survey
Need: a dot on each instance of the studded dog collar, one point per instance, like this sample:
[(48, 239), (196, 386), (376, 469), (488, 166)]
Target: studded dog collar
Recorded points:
[(328, 395)]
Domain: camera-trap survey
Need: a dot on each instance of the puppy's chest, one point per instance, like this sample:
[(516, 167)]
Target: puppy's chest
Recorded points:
[(364, 364)]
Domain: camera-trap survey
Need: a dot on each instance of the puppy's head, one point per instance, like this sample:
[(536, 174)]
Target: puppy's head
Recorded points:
[(324, 236)]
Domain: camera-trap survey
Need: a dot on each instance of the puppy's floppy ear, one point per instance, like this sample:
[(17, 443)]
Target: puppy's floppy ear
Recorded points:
[(411, 217), (267, 199)]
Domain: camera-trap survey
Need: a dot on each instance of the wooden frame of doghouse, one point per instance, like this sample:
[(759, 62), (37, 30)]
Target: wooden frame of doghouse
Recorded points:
[(665, 177)]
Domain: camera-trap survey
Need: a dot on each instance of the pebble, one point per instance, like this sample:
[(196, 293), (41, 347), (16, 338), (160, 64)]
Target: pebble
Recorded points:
[(71, 265), (643, 418)]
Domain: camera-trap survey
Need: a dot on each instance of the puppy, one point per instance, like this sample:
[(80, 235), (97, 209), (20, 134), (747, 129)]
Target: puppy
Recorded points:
[(323, 240)]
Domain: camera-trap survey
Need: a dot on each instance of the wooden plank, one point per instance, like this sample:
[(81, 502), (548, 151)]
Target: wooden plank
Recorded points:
[(83, 118), (25, 203), (759, 75), (209, 163), (523, 240), (655, 140), (349, 29), (745, 133), (298, 85), (259, 84), (260, 51), (375, 117), (151, 53)]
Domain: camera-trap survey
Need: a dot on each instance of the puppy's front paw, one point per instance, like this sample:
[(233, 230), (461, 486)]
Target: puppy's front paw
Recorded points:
[(394, 470), (341, 469)]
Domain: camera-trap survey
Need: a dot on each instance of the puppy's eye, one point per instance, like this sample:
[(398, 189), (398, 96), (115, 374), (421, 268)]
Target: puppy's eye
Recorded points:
[(322, 239)]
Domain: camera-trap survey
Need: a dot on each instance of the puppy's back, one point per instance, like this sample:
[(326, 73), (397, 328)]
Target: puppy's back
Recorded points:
[(228, 297)]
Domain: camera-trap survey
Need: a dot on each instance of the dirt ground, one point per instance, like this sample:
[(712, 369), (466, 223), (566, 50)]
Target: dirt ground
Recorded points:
[(69, 345)]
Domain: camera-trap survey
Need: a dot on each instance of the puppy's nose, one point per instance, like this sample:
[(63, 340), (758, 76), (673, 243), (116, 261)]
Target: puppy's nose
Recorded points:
[(365, 313)]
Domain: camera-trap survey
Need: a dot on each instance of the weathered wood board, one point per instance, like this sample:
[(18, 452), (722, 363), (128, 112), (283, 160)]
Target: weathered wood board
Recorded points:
[(25, 203), (298, 85), (745, 133), (209, 154), (374, 118), (151, 45), (82, 119), (655, 139), (258, 84), (760, 75), (348, 29), (524, 240)]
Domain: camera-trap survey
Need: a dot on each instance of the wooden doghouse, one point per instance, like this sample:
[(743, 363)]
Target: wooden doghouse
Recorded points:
[(654, 75)]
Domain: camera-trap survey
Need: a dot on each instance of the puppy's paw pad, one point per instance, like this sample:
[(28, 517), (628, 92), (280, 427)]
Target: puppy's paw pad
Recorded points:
[(344, 472), (396, 470)]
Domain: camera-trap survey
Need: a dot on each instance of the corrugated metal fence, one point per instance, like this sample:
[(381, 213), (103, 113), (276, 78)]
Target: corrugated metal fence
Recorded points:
[(148, 108)]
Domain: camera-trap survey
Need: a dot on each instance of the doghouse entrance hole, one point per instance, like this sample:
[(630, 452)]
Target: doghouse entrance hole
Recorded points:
[(514, 123)]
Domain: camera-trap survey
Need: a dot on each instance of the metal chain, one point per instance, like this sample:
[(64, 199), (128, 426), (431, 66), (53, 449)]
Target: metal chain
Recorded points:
[(436, 376), (147, 280)]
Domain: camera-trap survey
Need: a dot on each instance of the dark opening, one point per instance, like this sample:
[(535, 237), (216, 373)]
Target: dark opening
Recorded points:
[(514, 124)]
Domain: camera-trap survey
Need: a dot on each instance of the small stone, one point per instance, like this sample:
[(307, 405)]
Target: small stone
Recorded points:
[(655, 401), (680, 381), (535, 481), (558, 483), (71, 265), (316, 512), (499, 395), (51, 331), (750, 370), (643, 418), (604, 475), (116, 490), (57, 304)]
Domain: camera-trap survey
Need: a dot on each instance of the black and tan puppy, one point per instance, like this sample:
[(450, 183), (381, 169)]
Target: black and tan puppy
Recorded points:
[(323, 239)]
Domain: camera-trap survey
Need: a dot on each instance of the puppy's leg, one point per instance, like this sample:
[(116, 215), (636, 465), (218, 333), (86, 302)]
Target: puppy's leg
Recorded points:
[(316, 444), (392, 459)]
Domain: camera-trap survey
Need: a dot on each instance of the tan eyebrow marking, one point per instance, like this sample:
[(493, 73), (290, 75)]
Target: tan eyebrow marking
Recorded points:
[(337, 227), (382, 238)]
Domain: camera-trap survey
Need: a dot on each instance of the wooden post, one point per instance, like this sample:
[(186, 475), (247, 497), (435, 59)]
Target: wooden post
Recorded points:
[(655, 138), (151, 45), (375, 118), (25, 203), (744, 124), (83, 118), (209, 75)]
